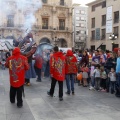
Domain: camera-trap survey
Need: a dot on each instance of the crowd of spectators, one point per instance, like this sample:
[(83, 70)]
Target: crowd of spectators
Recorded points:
[(100, 70)]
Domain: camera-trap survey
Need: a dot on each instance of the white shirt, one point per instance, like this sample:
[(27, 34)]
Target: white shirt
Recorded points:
[(97, 73), (112, 76)]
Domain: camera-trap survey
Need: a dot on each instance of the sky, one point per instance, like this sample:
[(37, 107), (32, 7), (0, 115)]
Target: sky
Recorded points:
[(83, 2)]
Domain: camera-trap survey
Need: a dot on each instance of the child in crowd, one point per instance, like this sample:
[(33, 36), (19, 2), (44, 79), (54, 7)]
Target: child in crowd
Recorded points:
[(85, 71), (103, 79), (97, 77), (112, 76), (3, 64), (92, 76)]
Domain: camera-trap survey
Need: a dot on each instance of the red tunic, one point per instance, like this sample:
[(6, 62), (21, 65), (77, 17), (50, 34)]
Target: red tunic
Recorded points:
[(38, 61), (70, 63), (57, 66), (17, 65)]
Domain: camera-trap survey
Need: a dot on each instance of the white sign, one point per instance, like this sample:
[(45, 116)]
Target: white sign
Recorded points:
[(109, 26), (65, 49), (109, 13), (3, 45)]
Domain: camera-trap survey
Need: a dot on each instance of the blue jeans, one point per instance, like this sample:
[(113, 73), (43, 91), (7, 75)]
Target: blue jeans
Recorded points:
[(97, 83), (107, 81), (112, 86), (92, 81), (118, 79), (70, 78)]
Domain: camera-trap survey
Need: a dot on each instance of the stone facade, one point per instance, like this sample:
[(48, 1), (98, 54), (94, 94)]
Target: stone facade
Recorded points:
[(53, 11), (96, 10)]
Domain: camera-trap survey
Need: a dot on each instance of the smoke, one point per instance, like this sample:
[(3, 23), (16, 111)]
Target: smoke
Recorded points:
[(28, 9)]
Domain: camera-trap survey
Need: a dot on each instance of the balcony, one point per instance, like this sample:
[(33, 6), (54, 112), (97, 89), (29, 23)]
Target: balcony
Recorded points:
[(36, 28), (49, 28), (103, 23), (92, 38), (93, 26), (9, 26), (103, 37), (116, 20), (61, 28), (62, 3), (79, 41), (39, 27), (44, 27)]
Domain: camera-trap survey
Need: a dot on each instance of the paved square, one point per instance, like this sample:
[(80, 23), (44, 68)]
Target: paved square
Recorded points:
[(84, 105)]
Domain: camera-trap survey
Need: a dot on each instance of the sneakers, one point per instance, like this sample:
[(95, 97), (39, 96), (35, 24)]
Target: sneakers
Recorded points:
[(91, 88), (38, 80), (68, 93), (112, 92), (27, 84), (48, 92), (61, 99), (12, 102), (103, 90), (19, 106), (73, 93)]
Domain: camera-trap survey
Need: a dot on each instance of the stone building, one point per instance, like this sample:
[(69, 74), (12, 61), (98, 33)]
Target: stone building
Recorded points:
[(53, 23), (103, 24)]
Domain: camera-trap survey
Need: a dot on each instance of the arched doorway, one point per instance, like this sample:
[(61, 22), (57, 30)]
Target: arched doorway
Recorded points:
[(62, 43), (44, 40)]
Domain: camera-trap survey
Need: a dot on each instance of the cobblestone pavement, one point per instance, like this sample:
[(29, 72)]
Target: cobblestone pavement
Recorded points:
[(84, 105)]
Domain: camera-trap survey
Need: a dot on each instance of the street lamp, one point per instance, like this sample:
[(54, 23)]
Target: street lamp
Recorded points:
[(55, 40), (113, 37), (78, 46)]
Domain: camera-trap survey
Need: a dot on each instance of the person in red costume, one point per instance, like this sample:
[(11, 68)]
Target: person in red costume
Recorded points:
[(70, 71), (17, 65), (57, 71), (38, 66)]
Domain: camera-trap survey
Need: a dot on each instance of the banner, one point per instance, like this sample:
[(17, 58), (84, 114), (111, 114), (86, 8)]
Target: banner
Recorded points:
[(109, 26), (109, 13)]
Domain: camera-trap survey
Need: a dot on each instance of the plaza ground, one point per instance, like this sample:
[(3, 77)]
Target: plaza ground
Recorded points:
[(84, 105)]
